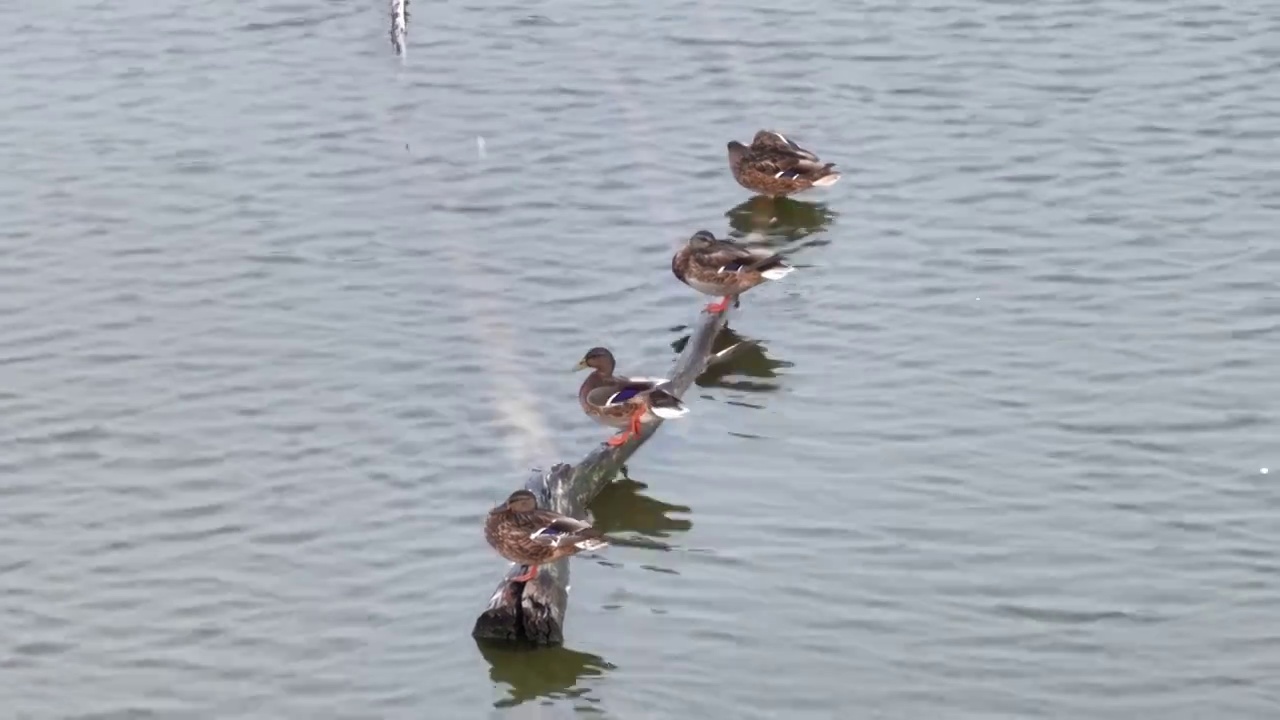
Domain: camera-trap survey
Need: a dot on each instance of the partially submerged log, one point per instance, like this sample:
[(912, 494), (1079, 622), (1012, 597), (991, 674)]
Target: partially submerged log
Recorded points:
[(533, 612), (400, 26)]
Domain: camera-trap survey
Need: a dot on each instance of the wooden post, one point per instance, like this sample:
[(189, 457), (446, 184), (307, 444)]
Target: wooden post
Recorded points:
[(533, 612)]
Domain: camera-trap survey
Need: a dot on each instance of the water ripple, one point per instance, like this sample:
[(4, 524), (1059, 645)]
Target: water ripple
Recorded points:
[(274, 334)]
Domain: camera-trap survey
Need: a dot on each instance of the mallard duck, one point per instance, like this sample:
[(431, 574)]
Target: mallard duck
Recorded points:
[(775, 165), (719, 267), (522, 533), (623, 402)]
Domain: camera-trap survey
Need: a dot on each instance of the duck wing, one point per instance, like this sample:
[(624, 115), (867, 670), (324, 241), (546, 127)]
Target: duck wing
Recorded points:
[(727, 256), (783, 145), (620, 392), (555, 530), (781, 163)]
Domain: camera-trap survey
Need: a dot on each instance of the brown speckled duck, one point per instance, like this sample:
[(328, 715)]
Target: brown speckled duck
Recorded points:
[(623, 402), (719, 267), (523, 534), (775, 165)]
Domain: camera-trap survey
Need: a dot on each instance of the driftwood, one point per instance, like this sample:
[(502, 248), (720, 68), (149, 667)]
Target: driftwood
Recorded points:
[(400, 26), (533, 612)]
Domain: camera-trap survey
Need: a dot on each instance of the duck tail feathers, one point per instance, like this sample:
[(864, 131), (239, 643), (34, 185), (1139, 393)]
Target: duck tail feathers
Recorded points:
[(777, 272), (773, 268), (666, 406), (831, 177)]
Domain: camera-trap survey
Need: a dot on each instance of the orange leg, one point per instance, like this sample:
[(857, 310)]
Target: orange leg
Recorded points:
[(529, 574), (721, 306), (633, 428)]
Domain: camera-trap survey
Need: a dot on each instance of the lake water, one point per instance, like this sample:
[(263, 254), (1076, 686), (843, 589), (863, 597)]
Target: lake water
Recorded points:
[(282, 316)]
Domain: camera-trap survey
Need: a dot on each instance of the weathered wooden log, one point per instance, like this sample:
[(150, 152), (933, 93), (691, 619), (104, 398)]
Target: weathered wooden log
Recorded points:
[(533, 612), (400, 26)]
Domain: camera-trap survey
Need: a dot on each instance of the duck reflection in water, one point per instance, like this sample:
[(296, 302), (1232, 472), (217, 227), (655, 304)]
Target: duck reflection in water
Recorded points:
[(555, 673), (621, 507), (749, 358), (778, 221)]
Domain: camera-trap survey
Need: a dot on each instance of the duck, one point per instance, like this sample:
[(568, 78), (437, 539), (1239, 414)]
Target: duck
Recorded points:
[(776, 165), (621, 402), (721, 267), (525, 534)]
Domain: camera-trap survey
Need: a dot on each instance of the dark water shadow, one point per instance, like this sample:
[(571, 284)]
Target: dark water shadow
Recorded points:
[(635, 520), (776, 222), (621, 507), (550, 673), (752, 360)]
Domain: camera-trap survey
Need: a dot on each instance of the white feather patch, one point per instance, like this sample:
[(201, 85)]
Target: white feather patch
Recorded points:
[(826, 181), (654, 380), (777, 273), (781, 137), (668, 413)]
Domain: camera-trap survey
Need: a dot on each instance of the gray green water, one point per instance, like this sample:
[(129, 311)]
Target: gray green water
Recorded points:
[(274, 335)]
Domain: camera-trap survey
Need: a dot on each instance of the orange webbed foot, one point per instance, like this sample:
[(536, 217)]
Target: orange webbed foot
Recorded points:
[(720, 306)]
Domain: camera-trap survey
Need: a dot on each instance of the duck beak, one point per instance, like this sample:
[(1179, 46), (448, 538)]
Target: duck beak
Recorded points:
[(582, 364)]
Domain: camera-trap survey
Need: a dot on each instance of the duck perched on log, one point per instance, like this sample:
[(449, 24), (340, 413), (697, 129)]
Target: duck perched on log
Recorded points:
[(524, 534), (623, 402), (775, 165), (720, 267)]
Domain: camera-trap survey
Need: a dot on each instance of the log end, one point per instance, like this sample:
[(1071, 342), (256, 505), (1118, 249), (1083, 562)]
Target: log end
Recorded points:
[(500, 622), (498, 625), (527, 622), (528, 613)]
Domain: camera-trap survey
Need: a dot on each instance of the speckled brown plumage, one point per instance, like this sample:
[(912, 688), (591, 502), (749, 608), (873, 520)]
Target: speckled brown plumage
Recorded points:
[(623, 402), (720, 267), (775, 165), (525, 534)]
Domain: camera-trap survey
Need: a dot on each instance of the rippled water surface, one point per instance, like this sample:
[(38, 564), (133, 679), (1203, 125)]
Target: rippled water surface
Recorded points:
[(281, 316)]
